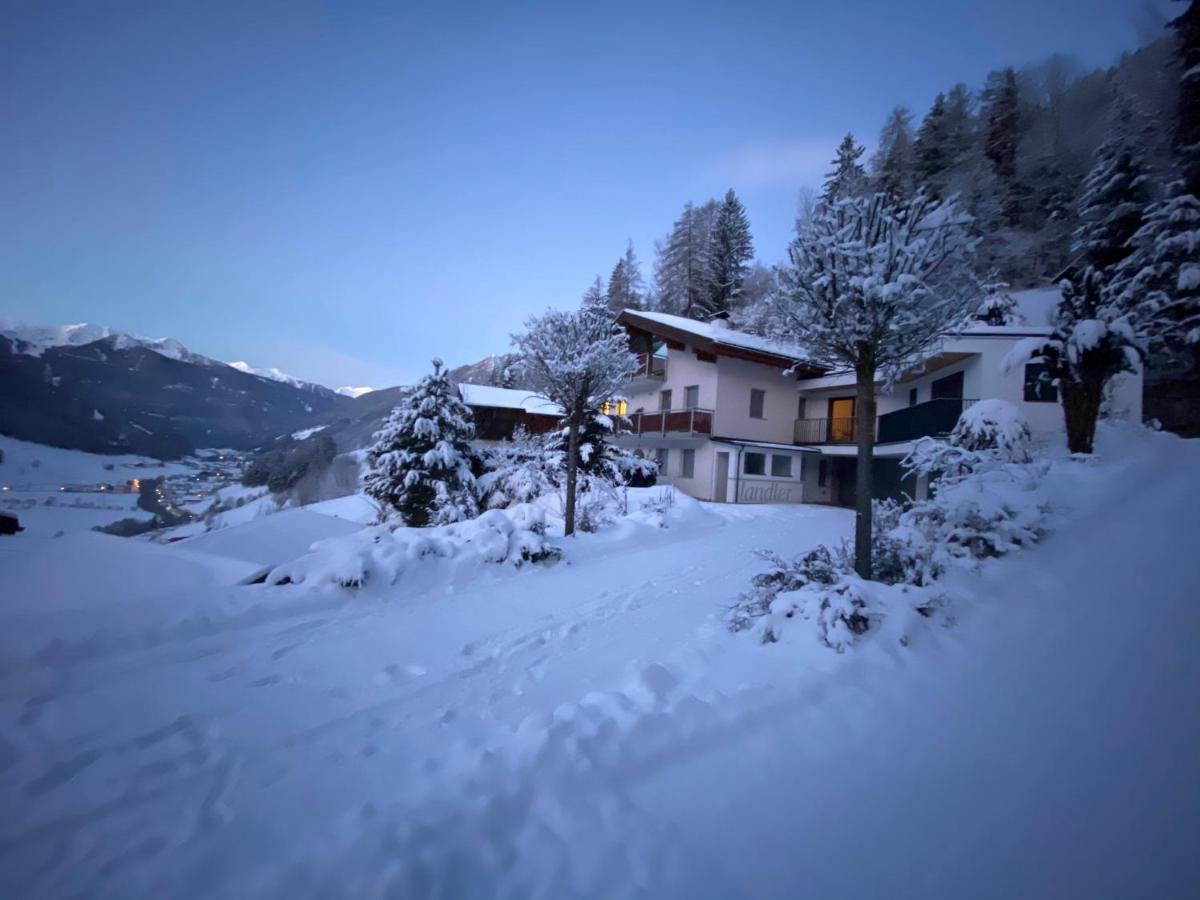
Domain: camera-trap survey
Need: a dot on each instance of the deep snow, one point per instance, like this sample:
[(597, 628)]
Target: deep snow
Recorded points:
[(590, 728)]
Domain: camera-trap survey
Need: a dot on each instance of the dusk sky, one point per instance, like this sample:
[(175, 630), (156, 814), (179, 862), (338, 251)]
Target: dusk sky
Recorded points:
[(344, 190)]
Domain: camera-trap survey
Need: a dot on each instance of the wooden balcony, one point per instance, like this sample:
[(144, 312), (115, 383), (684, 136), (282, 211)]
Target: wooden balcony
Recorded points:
[(675, 422)]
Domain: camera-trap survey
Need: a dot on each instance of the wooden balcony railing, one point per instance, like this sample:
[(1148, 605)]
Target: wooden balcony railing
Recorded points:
[(672, 421)]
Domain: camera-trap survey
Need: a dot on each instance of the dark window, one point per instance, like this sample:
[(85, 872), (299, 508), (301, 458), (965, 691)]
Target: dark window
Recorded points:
[(823, 473), (689, 464), (1039, 387), (691, 397), (912, 396), (757, 397), (664, 399), (755, 464), (801, 408), (948, 388), (661, 456), (781, 466)]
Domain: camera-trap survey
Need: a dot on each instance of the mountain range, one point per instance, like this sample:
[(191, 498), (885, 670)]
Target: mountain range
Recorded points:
[(91, 387)]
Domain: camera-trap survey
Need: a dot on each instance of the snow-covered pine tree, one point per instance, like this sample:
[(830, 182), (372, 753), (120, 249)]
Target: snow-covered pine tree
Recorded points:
[(892, 167), (579, 360), (625, 287), (1112, 200), (420, 463), (848, 178), (1186, 138), (1160, 280), (998, 306), (1091, 342), (872, 286), (595, 295), (731, 250)]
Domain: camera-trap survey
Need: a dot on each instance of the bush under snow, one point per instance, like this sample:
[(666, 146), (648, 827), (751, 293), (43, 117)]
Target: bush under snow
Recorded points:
[(382, 553)]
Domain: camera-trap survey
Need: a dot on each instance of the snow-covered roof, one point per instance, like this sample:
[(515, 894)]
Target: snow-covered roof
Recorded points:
[(508, 398), (718, 334)]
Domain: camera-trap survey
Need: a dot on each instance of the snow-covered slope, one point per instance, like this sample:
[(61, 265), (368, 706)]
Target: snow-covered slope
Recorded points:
[(590, 729), (273, 374)]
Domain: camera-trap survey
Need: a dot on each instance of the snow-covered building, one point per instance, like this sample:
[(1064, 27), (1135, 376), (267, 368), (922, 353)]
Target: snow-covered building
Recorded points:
[(734, 417), (500, 411)]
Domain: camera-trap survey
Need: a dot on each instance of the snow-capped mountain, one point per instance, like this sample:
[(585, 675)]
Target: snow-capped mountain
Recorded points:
[(34, 340), (90, 387), (354, 392), (274, 374)]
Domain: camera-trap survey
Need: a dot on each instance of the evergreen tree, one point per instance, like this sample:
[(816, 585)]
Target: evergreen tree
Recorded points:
[(730, 252), (625, 286), (682, 271), (932, 150), (1186, 138), (871, 286), (1113, 198), (594, 296), (999, 307), (892, 165), (420, 464), (848, 178), (1001, 135), (1160, 279)]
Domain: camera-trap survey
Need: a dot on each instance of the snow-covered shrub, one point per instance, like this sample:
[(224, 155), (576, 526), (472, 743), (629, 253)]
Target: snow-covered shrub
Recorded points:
[(999, 307), (517, 472), (996, 426), (384, 553), (421, 463)]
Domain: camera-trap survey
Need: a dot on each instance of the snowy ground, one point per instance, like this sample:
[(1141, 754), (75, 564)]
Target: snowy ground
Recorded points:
[(590, 729)]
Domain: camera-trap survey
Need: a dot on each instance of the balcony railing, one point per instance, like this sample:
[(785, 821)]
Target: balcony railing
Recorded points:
[(826, 431), (650, 366), (672, 421), (928, 419)]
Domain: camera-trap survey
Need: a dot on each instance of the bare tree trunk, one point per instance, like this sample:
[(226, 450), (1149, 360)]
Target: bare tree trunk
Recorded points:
[(572, 465), (1081, 409), (864, 424)]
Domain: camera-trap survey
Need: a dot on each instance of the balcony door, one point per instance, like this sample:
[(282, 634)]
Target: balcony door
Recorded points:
[(948, 388), (841, 420)]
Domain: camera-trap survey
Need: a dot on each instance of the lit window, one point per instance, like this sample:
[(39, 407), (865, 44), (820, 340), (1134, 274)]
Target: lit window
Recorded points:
[(614, 408), (781, 466), (755, 464)]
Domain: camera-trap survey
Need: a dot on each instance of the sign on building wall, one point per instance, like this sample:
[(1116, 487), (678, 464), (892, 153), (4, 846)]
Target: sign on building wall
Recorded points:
[(769, 491)]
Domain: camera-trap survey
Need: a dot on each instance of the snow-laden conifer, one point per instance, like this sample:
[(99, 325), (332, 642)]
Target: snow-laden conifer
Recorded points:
[(420, 464)]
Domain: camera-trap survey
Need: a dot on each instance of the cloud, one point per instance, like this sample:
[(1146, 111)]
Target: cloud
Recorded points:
[(777, 163)]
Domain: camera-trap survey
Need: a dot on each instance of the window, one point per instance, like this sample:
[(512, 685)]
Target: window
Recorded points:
[(757, 397), (1039, 387), (948, 388), (689, 464), (823, 473), (691, 397), (614, 407), (664, 400), (662, 456), (912, 396), (801, 408), (781, 466), (755, 464)]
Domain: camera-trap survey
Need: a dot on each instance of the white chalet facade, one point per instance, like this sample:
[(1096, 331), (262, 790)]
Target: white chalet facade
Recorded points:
[(726, 421)]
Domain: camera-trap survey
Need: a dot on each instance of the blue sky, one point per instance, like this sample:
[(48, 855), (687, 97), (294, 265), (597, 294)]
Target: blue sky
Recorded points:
[(344, 190)]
